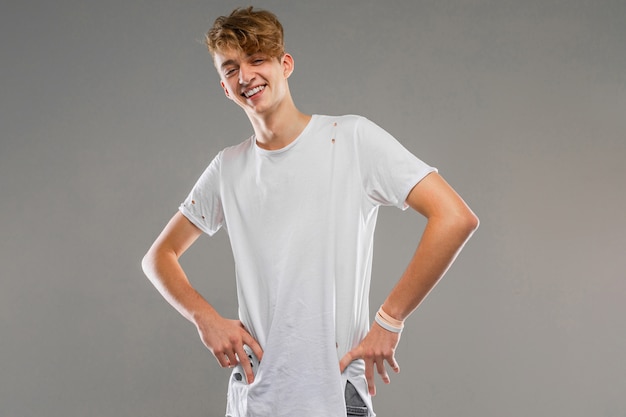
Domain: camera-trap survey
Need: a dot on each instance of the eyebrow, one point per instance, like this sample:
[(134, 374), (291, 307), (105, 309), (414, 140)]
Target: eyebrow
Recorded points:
[(227, 63)]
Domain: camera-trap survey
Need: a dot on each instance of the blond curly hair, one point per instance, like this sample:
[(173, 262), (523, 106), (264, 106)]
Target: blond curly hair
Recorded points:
[(247, 30)]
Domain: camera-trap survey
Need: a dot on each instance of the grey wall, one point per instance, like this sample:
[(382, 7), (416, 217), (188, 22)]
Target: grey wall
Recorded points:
[(110, 110)]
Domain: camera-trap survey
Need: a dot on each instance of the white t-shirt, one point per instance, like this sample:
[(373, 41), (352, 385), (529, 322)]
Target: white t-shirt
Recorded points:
[(301, 225)]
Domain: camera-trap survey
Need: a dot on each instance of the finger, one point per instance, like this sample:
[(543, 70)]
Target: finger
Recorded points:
[(382, 371), (254, 345), (223, 360), (393, 364), (222, 357), (369, 377), (251, 342), (231, 359), (245, 364), (346, 360)]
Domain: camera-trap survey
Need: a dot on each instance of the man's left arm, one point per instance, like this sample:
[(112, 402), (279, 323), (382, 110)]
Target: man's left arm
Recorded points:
[(450, 223)]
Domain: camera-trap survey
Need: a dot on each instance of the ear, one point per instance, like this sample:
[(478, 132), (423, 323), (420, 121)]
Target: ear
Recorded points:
[(288, 65), (225, 89)]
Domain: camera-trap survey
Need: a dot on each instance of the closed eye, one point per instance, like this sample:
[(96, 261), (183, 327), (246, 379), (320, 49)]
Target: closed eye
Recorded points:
[(257, 59), (230, 72)]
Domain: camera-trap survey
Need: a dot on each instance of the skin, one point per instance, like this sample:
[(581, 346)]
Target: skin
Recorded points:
[(450, 224), (277, 122), (274, 117)]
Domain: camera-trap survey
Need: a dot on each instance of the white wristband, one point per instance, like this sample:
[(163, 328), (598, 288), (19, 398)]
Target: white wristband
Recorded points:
[(386, 325)]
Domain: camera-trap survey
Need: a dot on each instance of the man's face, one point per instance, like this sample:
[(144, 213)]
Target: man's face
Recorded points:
[(257, 82)]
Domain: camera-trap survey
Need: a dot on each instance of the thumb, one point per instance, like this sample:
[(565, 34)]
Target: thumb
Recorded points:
[(346, 360)]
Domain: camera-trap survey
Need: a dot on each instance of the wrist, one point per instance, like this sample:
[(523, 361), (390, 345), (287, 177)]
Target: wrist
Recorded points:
[(395, 311), (202, 316), (387, 322)]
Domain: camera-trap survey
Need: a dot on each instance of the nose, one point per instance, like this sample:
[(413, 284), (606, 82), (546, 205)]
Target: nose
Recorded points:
[(246, 74)]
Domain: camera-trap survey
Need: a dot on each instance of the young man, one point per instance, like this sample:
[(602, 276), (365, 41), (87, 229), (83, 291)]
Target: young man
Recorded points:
[(299, 201)]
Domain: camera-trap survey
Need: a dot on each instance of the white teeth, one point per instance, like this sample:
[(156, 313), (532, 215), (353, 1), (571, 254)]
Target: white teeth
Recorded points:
[(252, 92)]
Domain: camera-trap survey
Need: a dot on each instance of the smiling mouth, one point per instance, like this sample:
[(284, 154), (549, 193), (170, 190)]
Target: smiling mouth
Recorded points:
[(253, 91)]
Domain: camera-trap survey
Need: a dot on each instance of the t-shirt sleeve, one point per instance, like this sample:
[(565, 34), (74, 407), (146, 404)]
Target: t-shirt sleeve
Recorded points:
[(203, 205), (389, 171)]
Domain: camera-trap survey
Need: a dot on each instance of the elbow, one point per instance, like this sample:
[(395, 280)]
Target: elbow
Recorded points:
[(460, 222), (148, 263), (155, 261), (150, 266), (468, 222), (472, 221)]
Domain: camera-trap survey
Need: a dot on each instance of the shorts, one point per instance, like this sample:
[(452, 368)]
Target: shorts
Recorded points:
[(355, 406)]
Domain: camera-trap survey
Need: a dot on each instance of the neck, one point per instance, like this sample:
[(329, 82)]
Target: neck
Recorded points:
[(279, 128)]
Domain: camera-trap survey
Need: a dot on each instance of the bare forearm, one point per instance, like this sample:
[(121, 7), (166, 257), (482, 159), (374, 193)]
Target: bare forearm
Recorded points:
[(224, 338), (165, 273), (440, 244)]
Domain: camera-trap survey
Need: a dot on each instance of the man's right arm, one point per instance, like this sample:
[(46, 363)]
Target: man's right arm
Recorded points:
[(224, 338)]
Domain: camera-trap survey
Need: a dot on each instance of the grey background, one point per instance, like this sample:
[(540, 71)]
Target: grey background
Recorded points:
[(110, 110)]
